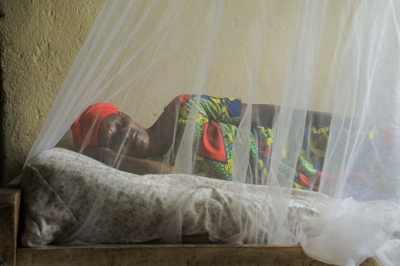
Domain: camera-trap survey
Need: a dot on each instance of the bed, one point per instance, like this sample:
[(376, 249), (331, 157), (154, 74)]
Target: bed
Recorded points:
[(55, 229)]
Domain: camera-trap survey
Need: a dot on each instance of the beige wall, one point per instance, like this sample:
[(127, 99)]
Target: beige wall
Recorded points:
[(39, 42)]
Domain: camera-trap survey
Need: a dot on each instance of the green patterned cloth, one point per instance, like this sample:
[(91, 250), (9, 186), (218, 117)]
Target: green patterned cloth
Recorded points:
[(216, 122)]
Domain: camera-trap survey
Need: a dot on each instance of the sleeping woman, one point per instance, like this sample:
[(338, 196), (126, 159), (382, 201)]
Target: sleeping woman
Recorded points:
[(114, 139)]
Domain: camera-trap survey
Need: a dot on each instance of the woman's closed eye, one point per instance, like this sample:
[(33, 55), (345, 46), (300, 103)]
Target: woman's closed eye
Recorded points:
[(119, 139), (118, 124), (115, 143), (126, 141)]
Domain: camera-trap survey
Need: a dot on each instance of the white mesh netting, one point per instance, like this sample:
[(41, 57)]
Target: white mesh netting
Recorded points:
[(318, 83)]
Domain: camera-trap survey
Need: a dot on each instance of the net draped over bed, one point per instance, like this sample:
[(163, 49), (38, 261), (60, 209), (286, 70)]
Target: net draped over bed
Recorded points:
[(329, 72)]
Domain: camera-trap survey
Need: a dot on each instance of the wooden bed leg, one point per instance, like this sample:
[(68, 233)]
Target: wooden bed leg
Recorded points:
[(9, 212)]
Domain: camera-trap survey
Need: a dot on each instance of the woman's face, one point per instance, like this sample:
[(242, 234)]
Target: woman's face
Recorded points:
[(120, 134)]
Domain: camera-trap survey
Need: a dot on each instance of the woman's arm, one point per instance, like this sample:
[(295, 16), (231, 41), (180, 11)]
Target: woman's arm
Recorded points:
[(126, 163)]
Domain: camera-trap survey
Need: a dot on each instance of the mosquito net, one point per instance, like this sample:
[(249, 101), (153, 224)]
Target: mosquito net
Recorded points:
[(275, 97)]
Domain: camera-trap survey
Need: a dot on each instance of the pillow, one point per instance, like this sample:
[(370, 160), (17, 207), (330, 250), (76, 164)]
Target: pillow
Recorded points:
[(70, 198)]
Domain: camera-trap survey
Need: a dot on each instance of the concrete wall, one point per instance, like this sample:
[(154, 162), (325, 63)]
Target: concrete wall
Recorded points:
[(39, 41)]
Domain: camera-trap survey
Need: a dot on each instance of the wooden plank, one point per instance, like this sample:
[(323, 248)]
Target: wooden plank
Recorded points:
[(206, 254), (9, 215)]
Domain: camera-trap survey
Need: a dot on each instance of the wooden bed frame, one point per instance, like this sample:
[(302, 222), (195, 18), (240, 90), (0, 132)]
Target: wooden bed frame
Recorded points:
[(12, 254)]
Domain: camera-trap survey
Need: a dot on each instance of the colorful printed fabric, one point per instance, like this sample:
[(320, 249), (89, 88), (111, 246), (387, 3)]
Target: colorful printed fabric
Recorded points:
[(216, 123), (309, 163)]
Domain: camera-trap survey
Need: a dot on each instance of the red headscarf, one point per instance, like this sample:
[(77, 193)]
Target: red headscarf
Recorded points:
[(89, 121)]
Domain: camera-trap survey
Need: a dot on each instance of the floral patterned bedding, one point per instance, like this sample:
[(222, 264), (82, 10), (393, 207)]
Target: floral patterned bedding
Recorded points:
[(69, 198)]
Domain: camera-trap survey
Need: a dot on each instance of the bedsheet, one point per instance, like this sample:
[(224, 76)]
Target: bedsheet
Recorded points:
[(69, 198)]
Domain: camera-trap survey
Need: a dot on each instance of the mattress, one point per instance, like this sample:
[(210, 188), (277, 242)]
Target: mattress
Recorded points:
[(69, 198)]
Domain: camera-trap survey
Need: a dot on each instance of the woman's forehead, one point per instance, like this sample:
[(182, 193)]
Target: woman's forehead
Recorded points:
[(108, 122), (105, 126), (112, 117)]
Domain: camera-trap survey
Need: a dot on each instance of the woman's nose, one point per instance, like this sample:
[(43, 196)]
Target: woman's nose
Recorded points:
[(125, 135)]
